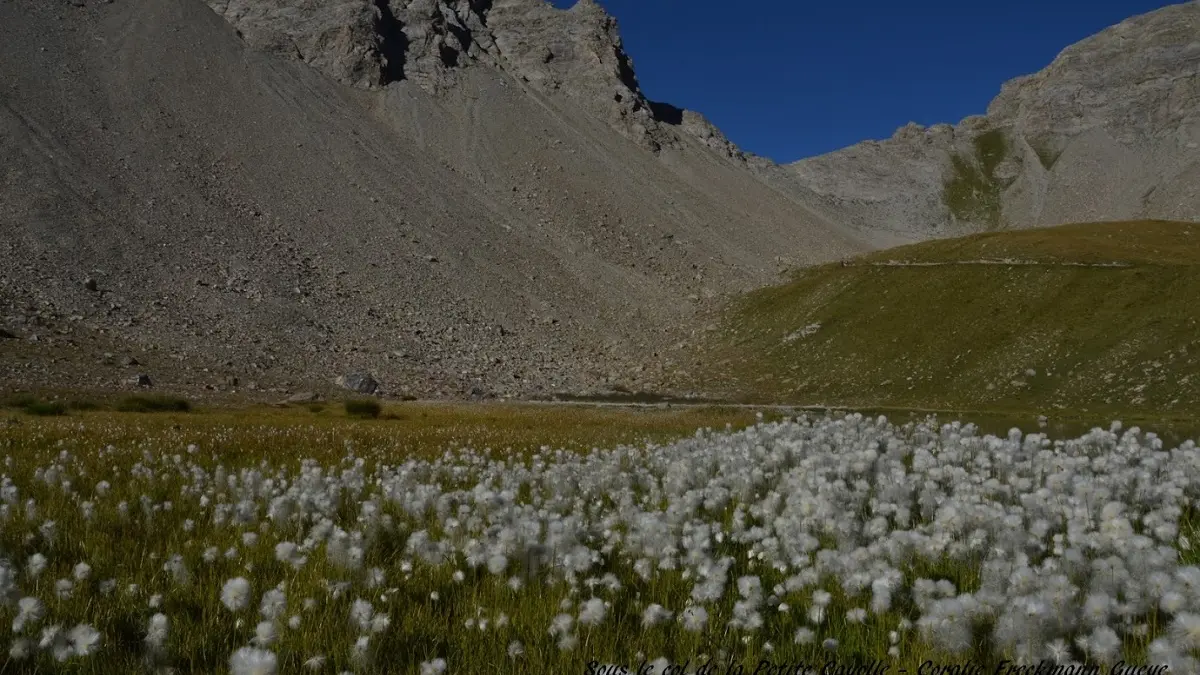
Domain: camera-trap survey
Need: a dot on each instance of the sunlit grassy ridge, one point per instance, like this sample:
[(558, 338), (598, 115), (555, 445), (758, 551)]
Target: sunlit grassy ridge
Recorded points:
[(1107, 320)]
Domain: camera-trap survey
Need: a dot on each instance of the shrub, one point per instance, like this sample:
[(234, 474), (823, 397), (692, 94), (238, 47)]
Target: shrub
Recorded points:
[(365, 408), (316, 407), (154, 404), (83, 404), (20, 401), (46, 408)]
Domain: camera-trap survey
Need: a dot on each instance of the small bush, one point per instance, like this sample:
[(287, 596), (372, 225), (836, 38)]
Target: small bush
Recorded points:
[(20, 401), (46, 408), (316, 407), (154, 404), (83, 404), (365, 408)]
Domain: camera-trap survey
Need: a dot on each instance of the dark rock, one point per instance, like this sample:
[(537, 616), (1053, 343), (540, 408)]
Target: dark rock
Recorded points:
[(129, 361), (91, 284), (7, 335), (142, 380), (361, 383)]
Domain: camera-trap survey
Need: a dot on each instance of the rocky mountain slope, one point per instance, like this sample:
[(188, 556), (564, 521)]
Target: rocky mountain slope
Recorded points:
[(1109, 131), (200, 192), (476, 196)]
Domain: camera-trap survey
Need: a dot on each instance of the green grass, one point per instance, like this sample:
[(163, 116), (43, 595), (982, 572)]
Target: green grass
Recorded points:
[(364, 409), (409, 428), (1051, 338), (973, 192), (148, 404)]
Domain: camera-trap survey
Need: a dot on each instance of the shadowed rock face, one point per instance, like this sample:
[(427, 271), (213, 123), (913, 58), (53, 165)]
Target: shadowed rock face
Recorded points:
[(1108, 131)]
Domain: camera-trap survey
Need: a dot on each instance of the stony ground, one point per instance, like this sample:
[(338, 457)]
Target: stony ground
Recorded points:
[(250, 215)]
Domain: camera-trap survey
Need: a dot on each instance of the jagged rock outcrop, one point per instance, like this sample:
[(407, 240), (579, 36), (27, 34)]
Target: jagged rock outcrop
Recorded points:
[(575, 52), (1108, 131)]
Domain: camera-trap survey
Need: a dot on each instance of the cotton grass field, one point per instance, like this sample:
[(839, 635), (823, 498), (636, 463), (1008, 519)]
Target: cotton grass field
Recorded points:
[(447, 542)]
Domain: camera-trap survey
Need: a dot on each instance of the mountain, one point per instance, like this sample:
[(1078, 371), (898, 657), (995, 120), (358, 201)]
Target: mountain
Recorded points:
[(457, 197), (474, 197), (1109, 131)]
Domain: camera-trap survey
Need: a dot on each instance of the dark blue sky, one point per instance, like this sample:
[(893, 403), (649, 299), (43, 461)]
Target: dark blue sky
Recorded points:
[(796, 78)]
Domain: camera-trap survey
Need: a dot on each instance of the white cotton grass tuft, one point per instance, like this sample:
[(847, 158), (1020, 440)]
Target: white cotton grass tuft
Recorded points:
[(20, 649), (434, 667), (235, 594), (36, 564), (694, 619), (30, 610), (157, 631), (1077, 543), (266, 633), (273, 604), (593, 612), (655, 614), (253, 661), (83, 640)]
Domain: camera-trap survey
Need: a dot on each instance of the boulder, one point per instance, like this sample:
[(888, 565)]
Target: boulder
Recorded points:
[(361, 383)]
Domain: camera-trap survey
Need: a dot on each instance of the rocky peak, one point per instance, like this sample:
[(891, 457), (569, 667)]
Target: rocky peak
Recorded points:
[(575, 52), (1136, 78), (1108, 130)]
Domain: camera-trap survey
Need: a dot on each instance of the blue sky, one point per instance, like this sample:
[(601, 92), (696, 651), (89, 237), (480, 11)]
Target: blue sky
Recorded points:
[(796, 78)]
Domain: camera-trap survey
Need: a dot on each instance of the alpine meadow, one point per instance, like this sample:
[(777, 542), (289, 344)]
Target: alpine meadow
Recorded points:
[(414, 336)]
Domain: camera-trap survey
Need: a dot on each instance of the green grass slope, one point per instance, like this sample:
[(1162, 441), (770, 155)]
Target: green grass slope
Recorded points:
[(1089, 318)]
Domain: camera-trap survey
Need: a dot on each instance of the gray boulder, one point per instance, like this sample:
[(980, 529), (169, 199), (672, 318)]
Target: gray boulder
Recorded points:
[(361, 383)]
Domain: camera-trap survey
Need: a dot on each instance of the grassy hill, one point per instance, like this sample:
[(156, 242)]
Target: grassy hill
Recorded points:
[(1088, 318)]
